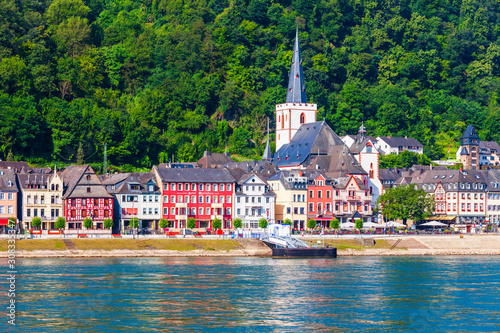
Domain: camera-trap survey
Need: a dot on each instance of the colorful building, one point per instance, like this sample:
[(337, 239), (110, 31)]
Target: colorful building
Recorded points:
[(8, 197)]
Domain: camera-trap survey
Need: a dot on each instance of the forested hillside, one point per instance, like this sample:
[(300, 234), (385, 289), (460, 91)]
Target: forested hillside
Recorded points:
[(156, 78)]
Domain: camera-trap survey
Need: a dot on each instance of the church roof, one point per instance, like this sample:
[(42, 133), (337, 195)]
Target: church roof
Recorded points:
[(296, 92), (310, 138)]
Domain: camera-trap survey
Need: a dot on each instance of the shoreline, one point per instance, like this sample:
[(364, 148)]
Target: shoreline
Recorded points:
[(240, 253)]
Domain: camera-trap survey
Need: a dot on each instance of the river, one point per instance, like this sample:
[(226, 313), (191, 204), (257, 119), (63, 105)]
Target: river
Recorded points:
[(347, 294)]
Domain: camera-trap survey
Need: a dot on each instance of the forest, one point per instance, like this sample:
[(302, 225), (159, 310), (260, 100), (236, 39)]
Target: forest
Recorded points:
[(156, 80)]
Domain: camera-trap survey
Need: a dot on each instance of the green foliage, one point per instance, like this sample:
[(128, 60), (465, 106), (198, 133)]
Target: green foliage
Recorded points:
[(60, 223), (11, 222), (237, 223), (311, 224), (335, 224), (262, 223), (358, 223), (108, 223), (154, 79), (191, 223), (36, 222), (216, 224), (405, 202), (87, 223), (164, 223), (404, 160), (287, 221), (134, 223)]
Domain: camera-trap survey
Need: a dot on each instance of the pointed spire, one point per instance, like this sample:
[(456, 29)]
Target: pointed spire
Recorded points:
[(362, 131), (296, 87), (267, 152)]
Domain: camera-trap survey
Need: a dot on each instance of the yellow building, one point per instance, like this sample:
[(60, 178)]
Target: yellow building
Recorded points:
[(290, 188)]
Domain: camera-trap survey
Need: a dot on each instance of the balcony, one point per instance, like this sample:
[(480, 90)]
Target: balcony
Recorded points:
[(353, 197), (181, 205)]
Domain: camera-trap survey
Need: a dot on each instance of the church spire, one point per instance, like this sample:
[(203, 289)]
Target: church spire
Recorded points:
[(296, 87)]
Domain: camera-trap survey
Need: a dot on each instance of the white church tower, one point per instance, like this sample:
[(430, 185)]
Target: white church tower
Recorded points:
[(295, 111)]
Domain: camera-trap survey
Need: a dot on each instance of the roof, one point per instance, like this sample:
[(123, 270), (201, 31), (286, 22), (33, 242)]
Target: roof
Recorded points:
[(470, 133), (311, 138), (491, 145), (113, 179), (76, 184), (5, 177), (197, 175), (435, 176), (296, 92), (394, 141), (214, 160), (16, 166), (26, 179), (338, 162), (464, 151), (359, 144), (267, 152), (140, 178)]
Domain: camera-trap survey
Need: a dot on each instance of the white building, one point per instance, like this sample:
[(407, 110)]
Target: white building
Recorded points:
[(395, 145), (253, 201)]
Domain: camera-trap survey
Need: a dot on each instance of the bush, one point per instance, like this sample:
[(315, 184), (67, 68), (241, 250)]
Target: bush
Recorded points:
[(335, 224), (311, 224), (12, 222), (287, 221), (262, 223), (237, 223), (191, 223), (358, 223), (87, 223), (216, 224), (134, 222)]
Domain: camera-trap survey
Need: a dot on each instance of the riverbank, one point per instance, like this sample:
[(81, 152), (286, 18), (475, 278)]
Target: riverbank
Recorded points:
[(388, 246)]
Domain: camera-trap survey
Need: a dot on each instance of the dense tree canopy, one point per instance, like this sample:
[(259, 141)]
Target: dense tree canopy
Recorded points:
[(152, 79)]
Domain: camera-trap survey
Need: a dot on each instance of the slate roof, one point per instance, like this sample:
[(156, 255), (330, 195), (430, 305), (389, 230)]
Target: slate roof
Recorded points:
[(75, 183), (444, 177), (296, 92), (26, 179), (493, 178), (267, 152), (464, 151), (310, 139), (197, 175), (140, 178), (337, 163), (114, 178), (214, 160), (264, 169), (397, 141), (470, 133), (5, 177), (16, 166), (491, 146)]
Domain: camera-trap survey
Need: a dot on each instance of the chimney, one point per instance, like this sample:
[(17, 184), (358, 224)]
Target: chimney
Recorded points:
[(206, 153), (226, 154)]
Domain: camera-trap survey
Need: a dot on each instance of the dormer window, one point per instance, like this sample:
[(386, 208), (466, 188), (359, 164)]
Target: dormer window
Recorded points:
[(9, 183), (88, 190), (88, 177), (151, 188)]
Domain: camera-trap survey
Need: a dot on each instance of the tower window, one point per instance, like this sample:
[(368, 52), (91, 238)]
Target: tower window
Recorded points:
[(302, 118)]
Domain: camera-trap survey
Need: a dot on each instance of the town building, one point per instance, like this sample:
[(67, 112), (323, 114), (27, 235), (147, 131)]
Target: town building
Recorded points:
[(296, 110), (493, 202), (137, 196), (320, 191), (9, 193), (396, 145), (42, 191), (84, 196), (199, 193), (213, 160), (253, 200), (469, 151), (352, 199), (14, 166), (290, 187)]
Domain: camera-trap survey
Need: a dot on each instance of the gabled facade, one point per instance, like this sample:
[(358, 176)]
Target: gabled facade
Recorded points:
[(493, 202), (351, 198), (290, 188), (42, 192), (84, 196), (253, 201), (320, 191), (8, 197), (203, 194)]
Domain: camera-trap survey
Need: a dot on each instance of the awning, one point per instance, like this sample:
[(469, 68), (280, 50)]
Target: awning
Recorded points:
[(441, 218), (4, 221)]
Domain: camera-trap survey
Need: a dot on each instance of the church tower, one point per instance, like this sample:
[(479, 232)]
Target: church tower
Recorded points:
[(469, 156), (295, 111)]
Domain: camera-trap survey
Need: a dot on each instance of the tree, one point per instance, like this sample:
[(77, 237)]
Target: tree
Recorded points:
[(10, 156), (359, 224), (335, 224), (191, 223), (311, 224), (87, 223), (108, 223), (79, 155), (216, 224), (406, 202), (60, 223), (262, 223), (12, 221), (36, 222), (237, 223), (287, 221), (134, 223), (164, 223)]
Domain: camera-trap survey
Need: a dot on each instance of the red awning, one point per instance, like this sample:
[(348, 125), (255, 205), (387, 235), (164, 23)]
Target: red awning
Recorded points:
[(4, 221)]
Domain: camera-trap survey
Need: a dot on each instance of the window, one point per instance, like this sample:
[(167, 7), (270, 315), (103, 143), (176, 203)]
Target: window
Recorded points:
[(200, 211), (84, 213), (156, 198), (215, 187), (288, 210), (179, 198), (88, 177), (106, 213), (267, 199), (150, 198), (84, 202), (237, 199), (156, 211), (200, 199), (228, 211), (150, 210), (186, 187), (228, 199), (144, 211), (311, 195), (172, 187), (179, 187), (319, 194), (207, 211), (214, 199), (221, 187), (302, 118), (193, 199), (238, 211), (258, 199), (10, 196), (328, 194), (228, 187), (193, 187), (301, 210), (2, 210), (172, 211), (221, 199), (28, 198), (172, 198), (144, 198), (311, 207), (186, 199), (200, 187), (295, 210)]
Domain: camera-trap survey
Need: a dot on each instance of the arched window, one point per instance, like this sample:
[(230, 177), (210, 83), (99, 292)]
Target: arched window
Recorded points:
[(302, 118), (282, 122)]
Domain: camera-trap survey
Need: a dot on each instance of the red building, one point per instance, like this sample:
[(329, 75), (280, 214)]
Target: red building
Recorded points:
[(203, 194), (84, 196), (319, 200)]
